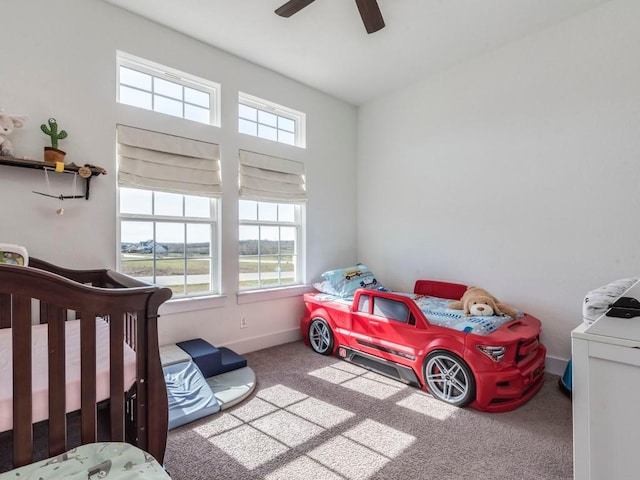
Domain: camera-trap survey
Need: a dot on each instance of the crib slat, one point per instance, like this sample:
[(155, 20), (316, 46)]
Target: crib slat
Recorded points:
[(5, 310), (157, 410), (116, 388), (88, 423), (22, 368), (141, 387), (55, 317)]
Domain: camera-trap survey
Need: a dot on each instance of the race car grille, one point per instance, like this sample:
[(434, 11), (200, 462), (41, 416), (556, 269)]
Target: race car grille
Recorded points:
[(527, 349)]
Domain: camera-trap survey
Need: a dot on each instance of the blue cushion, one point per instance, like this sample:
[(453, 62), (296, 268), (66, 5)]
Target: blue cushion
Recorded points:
[(230, 361), (210, 360), (190, 396), (206, 356)]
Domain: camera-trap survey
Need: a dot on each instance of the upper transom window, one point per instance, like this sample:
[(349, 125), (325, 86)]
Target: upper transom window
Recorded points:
[(268, 120), (148, 85)]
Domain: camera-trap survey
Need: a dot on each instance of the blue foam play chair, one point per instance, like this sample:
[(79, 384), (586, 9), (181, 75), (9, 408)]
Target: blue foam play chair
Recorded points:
[(202, 379), (211, 360)]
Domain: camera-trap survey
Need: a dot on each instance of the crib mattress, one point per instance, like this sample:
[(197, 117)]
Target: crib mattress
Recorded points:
[(113, 460), (40, 363)]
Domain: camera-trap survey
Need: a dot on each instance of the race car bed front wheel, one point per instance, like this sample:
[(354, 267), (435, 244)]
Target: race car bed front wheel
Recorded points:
[(321, 336), (449, 378)]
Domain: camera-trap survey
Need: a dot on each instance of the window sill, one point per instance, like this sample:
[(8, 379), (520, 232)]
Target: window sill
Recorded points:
[(252, 296), (182, 305)]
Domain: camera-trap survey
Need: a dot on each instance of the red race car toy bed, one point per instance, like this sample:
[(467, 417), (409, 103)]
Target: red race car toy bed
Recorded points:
[(490, 363)]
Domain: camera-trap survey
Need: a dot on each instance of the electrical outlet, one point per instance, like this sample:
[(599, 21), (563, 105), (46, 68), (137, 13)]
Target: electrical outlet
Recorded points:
[(243, 322)]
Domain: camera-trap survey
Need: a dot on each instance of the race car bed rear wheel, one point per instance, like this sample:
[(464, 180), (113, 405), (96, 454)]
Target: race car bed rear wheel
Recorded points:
[(321, 336), (449, 378)]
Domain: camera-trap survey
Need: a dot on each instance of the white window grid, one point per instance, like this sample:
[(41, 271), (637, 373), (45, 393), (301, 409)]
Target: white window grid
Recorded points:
[(268, 120), (270, 279), (169, 91), (180, 222)]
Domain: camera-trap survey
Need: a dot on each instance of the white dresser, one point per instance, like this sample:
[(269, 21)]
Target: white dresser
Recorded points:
[(606, 398)]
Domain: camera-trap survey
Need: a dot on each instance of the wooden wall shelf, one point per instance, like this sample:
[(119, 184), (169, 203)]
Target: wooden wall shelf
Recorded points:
[(68, 168)]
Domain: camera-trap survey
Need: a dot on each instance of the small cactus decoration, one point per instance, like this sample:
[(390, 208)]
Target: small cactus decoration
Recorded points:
[(52, 131)]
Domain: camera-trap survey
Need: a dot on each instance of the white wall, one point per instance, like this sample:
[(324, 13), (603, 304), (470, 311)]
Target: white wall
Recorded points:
[(518, 171), (59, 61)]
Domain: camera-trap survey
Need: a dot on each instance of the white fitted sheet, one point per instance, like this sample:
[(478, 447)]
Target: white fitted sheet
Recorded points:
[(40, 382)]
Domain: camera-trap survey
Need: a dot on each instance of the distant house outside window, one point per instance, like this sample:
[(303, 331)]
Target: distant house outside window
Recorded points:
[(148, 85), (268, 120), (169, 239)]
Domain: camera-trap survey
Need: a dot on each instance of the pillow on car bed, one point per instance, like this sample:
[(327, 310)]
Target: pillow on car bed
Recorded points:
[(343, 282)]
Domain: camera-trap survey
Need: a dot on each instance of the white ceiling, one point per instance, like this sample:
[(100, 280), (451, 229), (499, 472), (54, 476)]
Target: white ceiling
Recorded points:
[(326, 46)]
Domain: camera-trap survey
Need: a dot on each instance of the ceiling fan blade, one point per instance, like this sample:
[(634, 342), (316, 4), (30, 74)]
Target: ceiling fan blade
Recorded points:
[(292, 6), (371, 15)]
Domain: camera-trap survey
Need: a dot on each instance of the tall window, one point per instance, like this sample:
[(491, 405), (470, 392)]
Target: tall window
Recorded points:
[(168, 210), (269, 244), (272, 197), (268, 120), (169, 239), (152, 86)]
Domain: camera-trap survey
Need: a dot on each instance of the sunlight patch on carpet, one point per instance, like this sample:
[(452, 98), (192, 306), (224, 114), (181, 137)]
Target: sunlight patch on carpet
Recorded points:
[(371, 388), (427, 405), (216, 425), (382, 379), (320, 413), (287, 428), (281, 396), (283, 418), (280, 418), (303, 467), (248, 446), (349, 458), (359, 380), (332, 375), (254, 408), (380, 438), (350, 367)]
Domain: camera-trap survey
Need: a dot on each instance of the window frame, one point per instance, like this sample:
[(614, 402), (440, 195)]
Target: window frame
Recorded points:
[(299, 265), (173, 75), (384, 307), (299, 118), (214, 252)]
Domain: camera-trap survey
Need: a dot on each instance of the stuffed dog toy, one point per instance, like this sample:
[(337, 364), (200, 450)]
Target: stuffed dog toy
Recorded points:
[(7, 124), (477, 301)]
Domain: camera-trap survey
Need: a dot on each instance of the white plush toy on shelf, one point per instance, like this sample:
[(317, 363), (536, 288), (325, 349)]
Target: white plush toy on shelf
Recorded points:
[(7, 123)]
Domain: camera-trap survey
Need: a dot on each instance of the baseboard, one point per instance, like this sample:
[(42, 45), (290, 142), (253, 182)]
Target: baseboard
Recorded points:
[(253, 344), (555, 366)]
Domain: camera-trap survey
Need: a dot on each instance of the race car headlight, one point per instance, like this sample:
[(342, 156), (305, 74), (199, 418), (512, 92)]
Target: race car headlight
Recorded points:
[(494, 353)]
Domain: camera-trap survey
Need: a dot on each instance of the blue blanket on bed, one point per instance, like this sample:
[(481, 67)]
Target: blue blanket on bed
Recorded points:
[(438, 313)]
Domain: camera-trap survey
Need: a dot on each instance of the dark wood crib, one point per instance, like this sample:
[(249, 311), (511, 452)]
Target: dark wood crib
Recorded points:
[(43, 293)]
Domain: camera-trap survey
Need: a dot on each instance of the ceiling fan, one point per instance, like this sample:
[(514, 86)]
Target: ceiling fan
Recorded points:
[(369, 11)]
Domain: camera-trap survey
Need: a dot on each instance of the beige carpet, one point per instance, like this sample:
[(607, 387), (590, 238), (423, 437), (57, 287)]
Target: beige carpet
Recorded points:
[(315, 417)]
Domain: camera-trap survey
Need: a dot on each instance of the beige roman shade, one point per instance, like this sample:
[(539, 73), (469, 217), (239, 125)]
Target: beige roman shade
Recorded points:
[(263, 177), (167, 163)]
